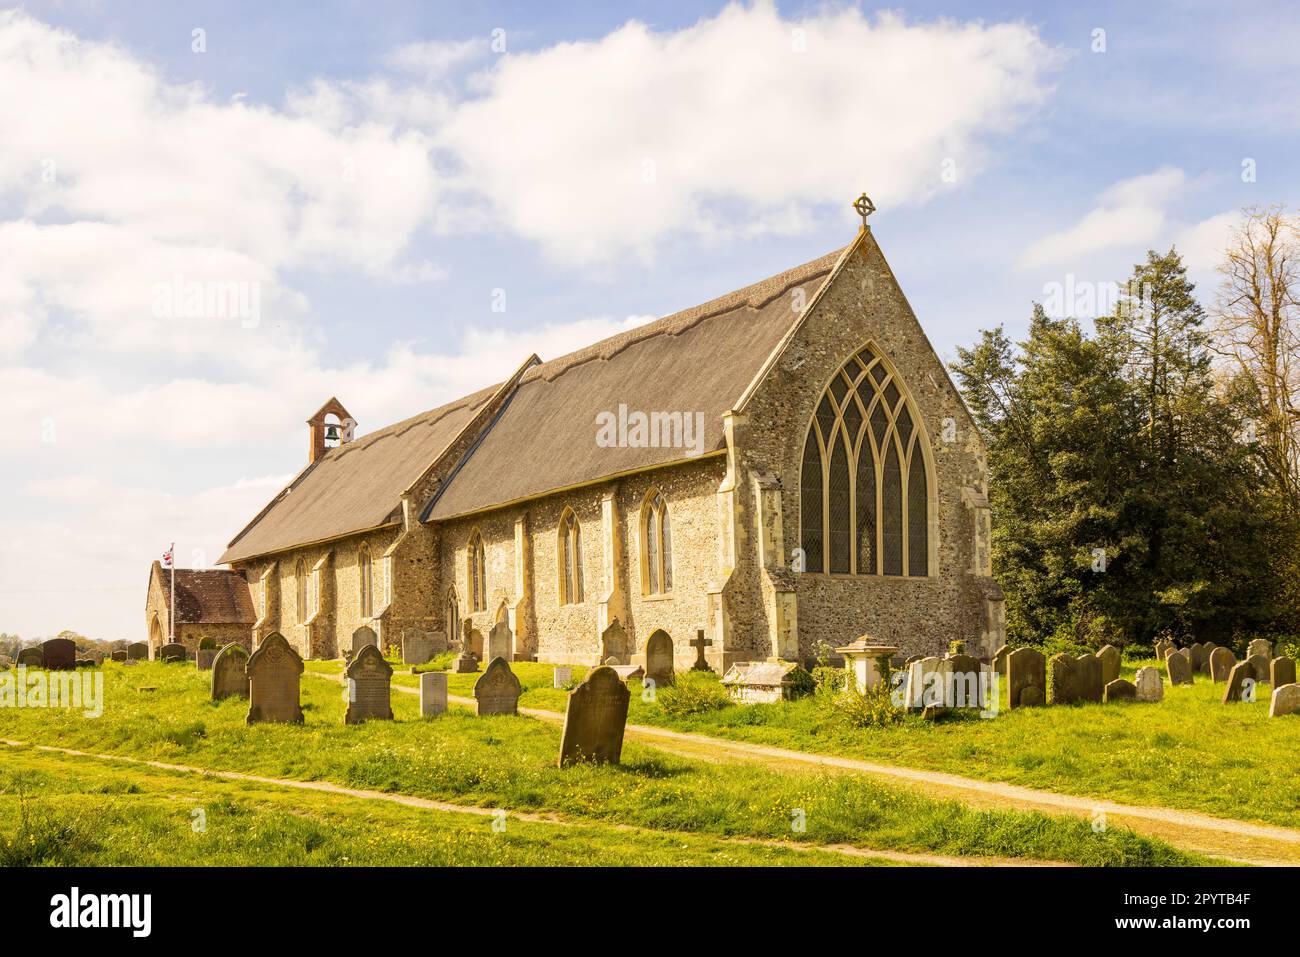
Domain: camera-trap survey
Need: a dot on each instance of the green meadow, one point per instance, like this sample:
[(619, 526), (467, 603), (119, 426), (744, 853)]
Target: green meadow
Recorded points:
[(504, 762)]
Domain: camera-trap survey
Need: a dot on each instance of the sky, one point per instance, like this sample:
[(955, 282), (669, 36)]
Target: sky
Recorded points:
[(215, 217)]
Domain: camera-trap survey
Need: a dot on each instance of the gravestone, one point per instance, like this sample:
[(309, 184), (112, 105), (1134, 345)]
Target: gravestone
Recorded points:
[(1259, 667), (416, 648), (433, 693), (699, 643), (497, 689), (1241, 684), (439, 640), (595, 719), (1119, 690), (31, 657), (1026, 671), (628, 672), (1281, 671), (173, 650), (119, 656), (230, 673), (204, 657), (1260, 646), (1178, 665), (96, 656), (964, 689), (500, 643), (465, 663), (1285, 700), (999, 660), (60, 654), (659, 659), (369, 676), (758, 682), (1062, 680), (1222, 661), (615, 643), (137, 651), (1163, 647), (1110, 658), (365, 635), (561, 676), (274, 679), (925, 684), (1200, 656), (473, 642), (1091, 687), (85, 663), (1148, 684)]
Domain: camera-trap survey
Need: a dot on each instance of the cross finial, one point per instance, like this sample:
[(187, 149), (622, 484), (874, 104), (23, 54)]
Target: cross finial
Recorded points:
[(865, 208)]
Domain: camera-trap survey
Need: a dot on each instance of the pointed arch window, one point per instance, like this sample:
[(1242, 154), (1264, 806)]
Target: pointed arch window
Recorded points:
[(864, 490), (300, 588), (453, 616), (476, 574), (656, 546), (569, 555), (365, 581)]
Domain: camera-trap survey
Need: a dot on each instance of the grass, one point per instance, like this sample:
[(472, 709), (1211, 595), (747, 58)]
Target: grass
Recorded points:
[(1189, 752), (64, 810), (509, 762)]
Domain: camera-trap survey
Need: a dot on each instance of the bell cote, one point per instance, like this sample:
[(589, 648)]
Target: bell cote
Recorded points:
[(331, 427)]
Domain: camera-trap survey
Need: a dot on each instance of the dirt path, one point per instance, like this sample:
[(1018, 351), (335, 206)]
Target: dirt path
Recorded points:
[(1240, 841), (407, 800)]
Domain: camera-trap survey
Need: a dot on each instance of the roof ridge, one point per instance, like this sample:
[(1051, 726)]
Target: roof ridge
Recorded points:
[(689, 318)]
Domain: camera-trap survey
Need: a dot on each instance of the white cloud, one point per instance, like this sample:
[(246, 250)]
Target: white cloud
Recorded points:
[(640, 135), (1129, 212)]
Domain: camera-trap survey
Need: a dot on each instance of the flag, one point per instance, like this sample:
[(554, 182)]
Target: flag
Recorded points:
[(167, 558)]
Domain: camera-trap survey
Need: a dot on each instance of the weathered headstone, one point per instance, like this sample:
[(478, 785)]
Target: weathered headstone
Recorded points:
[(1119, 690), (433, 693), (31, 657), (1200, 656), (416, 648), (365, 635), (615, 643), (1148, 684), (85, 663), (1026, 671), (1285, 700), (497, 689), (628, 672), (203, 658), (758, 682), (965, 689), (1091, 687), (170, 651), (1163, 647), (561, 676), (925, 684), (119, 656), (369, 677), (659, 659), (274, 680), (1241, 683), (96, 656), (1281, 671), (1260, 646), (1110, 658), (500, 643), (1178, 665), (439, 640), (1062, 680), (1000, 660), (464, 663), (230, 673), (1259, 667), (595, 719), (1222, 661), (60, 654), (137, 651)]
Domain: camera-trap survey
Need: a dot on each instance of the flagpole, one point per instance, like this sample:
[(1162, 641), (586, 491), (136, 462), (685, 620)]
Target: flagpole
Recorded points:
[(171, 619)]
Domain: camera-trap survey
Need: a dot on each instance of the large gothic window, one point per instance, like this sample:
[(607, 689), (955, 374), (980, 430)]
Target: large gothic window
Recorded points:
[(864, 497), (476, 573)]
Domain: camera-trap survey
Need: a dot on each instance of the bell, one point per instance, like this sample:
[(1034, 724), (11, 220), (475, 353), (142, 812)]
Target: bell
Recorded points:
[(331, 433)]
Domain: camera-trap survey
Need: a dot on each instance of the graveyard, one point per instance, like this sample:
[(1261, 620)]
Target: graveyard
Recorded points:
[(281, 765)]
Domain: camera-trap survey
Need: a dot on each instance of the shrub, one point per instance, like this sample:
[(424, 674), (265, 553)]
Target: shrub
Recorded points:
[(440, 662), (874, 708), (830, 681), (801, 684), (693, 692)]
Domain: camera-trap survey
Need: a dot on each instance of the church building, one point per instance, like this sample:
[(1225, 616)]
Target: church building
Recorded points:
[(785, 468)]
